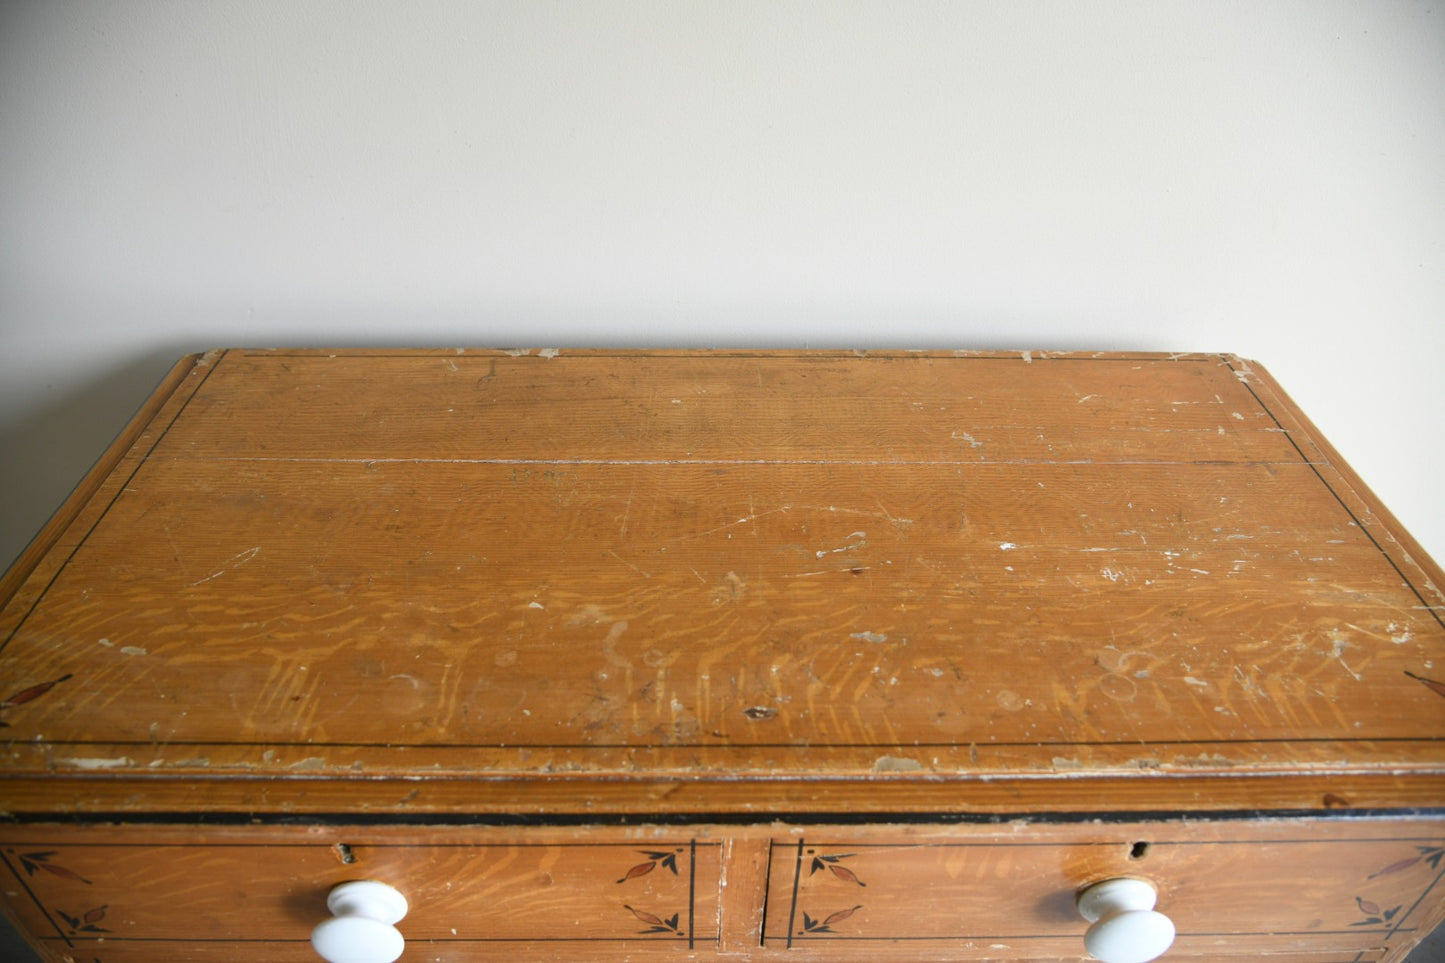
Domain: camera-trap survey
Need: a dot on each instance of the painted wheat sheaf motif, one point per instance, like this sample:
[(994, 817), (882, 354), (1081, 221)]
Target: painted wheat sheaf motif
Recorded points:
[(655, 860), (34, 863), (87, 922), (830, 863), (824, 925), (656, 924), (1376, 914)]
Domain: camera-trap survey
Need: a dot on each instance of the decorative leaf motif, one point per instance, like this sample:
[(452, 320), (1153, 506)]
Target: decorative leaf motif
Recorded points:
[(32, 693), (655, 923), (811, 926), (1424, 854), (86, 922), (1437, 687), (1396, 867), (665, 860), (830, 863), (1374, 915), (644, 916), (29, 695), (34, 862), (641, 869)]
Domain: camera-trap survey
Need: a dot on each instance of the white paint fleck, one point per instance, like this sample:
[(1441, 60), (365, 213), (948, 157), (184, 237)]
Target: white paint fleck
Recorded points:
[(96, 763), (237, 560), (108, 643), (133, 650), (1007, 546), (870, 636), (896, 764), (535, 605), (1193, 681), (861, 541), (965, 436), (1028, 357), (1337, 652), (1111, 574), (549, 352)]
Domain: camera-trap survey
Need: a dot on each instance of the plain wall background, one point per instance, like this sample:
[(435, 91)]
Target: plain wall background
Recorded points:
[(1260, 177)]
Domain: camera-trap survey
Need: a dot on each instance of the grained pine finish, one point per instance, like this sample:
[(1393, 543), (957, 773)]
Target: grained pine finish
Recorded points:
[(1287, 889), (703, 591)]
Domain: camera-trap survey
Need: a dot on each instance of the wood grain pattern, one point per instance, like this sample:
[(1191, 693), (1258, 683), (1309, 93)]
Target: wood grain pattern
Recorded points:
[(890, 569), (827, 653), (890, 892)]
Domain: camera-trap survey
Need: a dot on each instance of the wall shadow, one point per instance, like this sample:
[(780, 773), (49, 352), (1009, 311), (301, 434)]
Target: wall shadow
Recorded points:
[(46, 452)]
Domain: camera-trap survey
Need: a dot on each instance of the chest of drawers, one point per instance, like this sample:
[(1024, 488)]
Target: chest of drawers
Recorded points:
[(721, 655)]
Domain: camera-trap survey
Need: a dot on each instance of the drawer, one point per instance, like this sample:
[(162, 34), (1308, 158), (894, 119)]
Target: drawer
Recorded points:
[(472, 895), (1294, 889), (1311, 891)]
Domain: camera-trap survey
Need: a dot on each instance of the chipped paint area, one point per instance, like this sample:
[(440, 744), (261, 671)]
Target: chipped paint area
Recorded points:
[(869, 636), (95, 763), (965, 436), (237, 560), (897, 764), (857, 540)]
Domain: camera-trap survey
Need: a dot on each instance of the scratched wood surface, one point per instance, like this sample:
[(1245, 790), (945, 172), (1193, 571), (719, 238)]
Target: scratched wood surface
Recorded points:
[(1316, 891), (722, 581)]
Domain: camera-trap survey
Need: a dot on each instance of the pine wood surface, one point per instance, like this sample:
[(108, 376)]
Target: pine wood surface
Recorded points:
[(1280, 889), (444, 581)]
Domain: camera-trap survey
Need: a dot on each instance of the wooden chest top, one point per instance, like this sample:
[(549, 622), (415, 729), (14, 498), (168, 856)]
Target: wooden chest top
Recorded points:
[(721, 582)]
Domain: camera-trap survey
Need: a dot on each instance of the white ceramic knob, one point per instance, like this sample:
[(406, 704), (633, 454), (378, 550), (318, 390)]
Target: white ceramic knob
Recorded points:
[(1125, 929), (360, 929)]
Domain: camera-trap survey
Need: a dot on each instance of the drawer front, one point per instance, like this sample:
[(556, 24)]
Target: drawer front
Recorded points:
[(1265, 889), (468, 899), (1334, 891)]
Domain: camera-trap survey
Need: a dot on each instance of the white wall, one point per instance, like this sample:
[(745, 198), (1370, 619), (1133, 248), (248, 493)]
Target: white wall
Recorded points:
[(1257, 177)]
